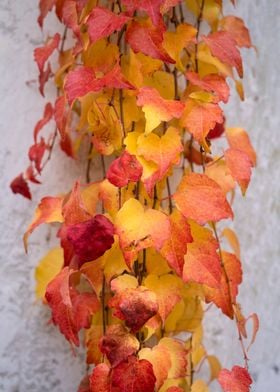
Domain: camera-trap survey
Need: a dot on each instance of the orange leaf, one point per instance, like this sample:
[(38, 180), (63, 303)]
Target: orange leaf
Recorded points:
[(236, 380), (201, 199), (223, 46), (236, 27), (156, 108), (175, 247), (225, 296), (200, 117), (49, 210), (74, 210), (239, 139), (213, 83), (239, 165), (118, 344)]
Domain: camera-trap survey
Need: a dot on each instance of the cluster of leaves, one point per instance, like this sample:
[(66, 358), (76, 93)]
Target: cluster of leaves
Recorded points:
[(138, 260)]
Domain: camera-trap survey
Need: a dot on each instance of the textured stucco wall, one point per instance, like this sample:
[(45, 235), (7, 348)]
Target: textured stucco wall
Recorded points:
[(33, 355)]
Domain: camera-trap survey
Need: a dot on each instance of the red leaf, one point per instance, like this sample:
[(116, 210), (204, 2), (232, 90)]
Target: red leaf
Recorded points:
[(124, 169), (47, 116), (118, 344), (103, 22), (239, 165), (43, 78), (84, 385), (151, 7), (223, 46), (133, 376), (146, 39), (175, 247), (135, 306), (30, 176), (200, 198), (71, 310), (45, 6), (99, 379), (61, 115), (236, 380), (36, 153), (217, 131), (213, 83), (91, 239), (19, 185), (42, 54), (82, 81), (69, 16)]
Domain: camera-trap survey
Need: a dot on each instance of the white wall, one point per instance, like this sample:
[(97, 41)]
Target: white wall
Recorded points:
[(33, 355)]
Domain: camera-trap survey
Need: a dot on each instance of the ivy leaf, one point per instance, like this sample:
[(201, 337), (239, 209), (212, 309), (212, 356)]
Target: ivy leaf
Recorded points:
[(200, 198), (71, 310), (225, 296), (164, 151), (20, 185), (45, 6), (124, 169), (236, 27), (223, 46), (213, 83), (133, 375), (47, 116), (36, 153), (175, 247), (145, 38), (235, 380), (103, 22), (49, 210), (99, 379), (74, 210), (91, 238), (139, 229), (200, 117), (118, 344), (156, 108), (134, 305), (239, 165), (42, 54), (239, 139)]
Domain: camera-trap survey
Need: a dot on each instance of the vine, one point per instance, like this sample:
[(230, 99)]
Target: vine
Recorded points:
[(141, 256)]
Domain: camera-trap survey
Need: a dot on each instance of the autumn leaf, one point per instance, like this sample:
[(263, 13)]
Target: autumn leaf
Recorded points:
[(47, 116), (124, 169), (133, 375), (45, 6), (139, 229), (103, 22), (175, 247), (239, 139), (48, 267), (42, 54), (74, 210), (236, 380), (91, 238), (147, 39), (236, 27), (49, 210), (20, 185), (164, 151), (239, 165), (168, 292), (36, 153), (70, 310), (200, 117), (151, 7), (61, 115), (225, 296), (99, 379), (156, 108), (223, 46), (118, 344), (200, 198), (213, 83), (135, 306)]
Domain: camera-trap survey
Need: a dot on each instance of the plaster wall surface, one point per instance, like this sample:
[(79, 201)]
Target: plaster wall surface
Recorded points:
[(34, 357)]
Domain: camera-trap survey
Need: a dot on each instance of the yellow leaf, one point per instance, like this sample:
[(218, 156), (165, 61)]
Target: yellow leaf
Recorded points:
[(124, 282), (214, 365), (199, 386), (48, 267), (163, 82)]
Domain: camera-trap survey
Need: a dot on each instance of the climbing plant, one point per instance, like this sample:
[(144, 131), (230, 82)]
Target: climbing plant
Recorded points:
[(141, 86)]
